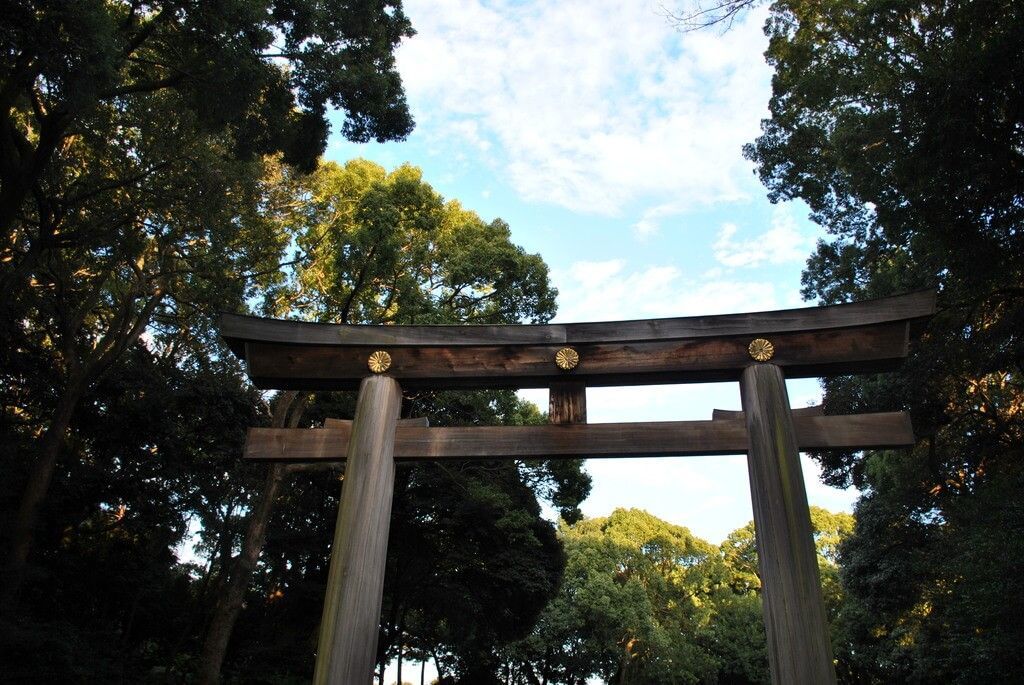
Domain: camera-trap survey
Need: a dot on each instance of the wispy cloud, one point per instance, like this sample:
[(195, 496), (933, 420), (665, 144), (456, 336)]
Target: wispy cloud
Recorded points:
[(589, 104), (608, 290), (783, 242)]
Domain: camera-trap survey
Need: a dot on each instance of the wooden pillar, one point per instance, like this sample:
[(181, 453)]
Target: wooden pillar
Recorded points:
[(347, 650), (567, 402), (799, 650)]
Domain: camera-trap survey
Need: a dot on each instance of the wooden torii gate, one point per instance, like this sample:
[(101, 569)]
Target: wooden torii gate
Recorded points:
[(759, 350)]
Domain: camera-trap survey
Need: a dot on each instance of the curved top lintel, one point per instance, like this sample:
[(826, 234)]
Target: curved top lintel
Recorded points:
[(238, 330)]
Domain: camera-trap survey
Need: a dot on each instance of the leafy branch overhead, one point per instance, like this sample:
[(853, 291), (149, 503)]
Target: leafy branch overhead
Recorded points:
[(134, 139), (901, 125)]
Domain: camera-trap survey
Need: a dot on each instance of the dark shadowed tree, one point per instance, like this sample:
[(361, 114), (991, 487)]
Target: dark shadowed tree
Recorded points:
[(108, 599), (901, 124), (132, 138)]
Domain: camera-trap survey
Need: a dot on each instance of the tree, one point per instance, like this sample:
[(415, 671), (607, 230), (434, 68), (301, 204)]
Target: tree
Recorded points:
[(65, 61), (643, 601), (132, 138), (109, 600), (379, 247), (632, 601), (901, 125)]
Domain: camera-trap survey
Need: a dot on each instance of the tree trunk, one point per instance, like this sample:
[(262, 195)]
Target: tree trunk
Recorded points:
[(229, 604), (40, 476)]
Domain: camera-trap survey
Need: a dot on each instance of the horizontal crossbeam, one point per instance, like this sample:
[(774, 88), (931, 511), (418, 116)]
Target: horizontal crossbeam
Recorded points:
[(812, 342), (237, 329), (598, 440), (878, 347)]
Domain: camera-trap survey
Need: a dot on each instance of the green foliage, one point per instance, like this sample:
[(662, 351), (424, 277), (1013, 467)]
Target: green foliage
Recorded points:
[(131, 157), (384, 247), (644, 601), (133, 139), (108, 599), (471, 562), (264, 71), (901, 124)]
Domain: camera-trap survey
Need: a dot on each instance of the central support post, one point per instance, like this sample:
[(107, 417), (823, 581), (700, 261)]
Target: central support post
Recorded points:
[(347, 649), (799, 650), (567, 402)]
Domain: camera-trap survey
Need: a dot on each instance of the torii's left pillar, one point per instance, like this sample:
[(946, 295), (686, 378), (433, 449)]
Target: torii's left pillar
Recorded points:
[(347, 648)]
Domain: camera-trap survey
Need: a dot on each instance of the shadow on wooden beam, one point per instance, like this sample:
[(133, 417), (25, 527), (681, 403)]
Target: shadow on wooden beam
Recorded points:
[(572, 441)]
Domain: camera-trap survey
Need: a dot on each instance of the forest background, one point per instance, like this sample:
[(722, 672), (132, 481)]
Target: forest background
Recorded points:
[(159, 163)]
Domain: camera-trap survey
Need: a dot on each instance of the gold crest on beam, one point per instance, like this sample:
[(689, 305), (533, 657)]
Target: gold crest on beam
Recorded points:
[(567, 358), (379, 361), (761, 350)]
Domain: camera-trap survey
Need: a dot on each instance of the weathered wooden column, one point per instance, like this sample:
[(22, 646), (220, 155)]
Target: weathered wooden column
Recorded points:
[(347, 649), (799, 650)]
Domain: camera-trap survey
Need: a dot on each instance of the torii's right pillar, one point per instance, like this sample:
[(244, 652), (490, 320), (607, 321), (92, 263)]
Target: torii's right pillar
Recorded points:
[(799, 650)]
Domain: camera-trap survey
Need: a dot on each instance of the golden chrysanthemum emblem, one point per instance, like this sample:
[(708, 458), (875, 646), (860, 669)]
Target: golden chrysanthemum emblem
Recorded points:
[(379, 361), (761, 350), (567, 358)]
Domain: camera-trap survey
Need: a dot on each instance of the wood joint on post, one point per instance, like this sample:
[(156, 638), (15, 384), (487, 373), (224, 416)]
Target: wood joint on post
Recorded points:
[(567, 402)]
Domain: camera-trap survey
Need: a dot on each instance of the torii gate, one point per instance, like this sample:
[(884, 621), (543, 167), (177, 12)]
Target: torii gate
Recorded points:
[(754, 349)]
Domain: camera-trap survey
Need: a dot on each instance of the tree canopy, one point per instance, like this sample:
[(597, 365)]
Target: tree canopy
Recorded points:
[(645, 601), (471, 562), (135, 139), (152, 463), (901, 125)]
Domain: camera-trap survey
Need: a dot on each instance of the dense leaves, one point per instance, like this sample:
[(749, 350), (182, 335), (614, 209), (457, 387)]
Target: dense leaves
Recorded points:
[(133, 144), (644, 601), (471, 562), (108, 598), (901, 124), (152, 464)]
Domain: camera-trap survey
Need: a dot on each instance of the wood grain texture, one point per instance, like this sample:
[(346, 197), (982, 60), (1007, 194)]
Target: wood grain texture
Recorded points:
[(862, 349), (567, 402), (347, 646), (346, 424), (799, 651), (718, 414), (571, 441), (237, 330)]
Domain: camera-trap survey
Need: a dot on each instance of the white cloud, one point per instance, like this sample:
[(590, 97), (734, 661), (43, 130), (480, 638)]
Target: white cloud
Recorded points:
[(783, 242), (650, 220), (608, 291), (590, 104)]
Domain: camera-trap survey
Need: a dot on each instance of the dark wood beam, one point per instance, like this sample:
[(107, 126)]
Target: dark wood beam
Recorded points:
[(862, 349), (421, 421), (572, 441), (239, 330), (719, 414)]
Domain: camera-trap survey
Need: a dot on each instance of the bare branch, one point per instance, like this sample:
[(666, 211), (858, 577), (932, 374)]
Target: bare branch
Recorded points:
[(698, 15)]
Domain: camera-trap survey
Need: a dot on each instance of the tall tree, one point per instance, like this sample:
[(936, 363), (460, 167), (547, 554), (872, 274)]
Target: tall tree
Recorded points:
[(131, 137), (266, 71), (109, 600), (380, 247), (901, 124)]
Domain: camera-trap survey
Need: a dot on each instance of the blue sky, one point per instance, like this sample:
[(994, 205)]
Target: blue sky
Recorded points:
[(611, 144)]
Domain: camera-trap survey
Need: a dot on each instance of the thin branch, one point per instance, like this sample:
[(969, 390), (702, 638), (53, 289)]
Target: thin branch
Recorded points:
[(720, 13)]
